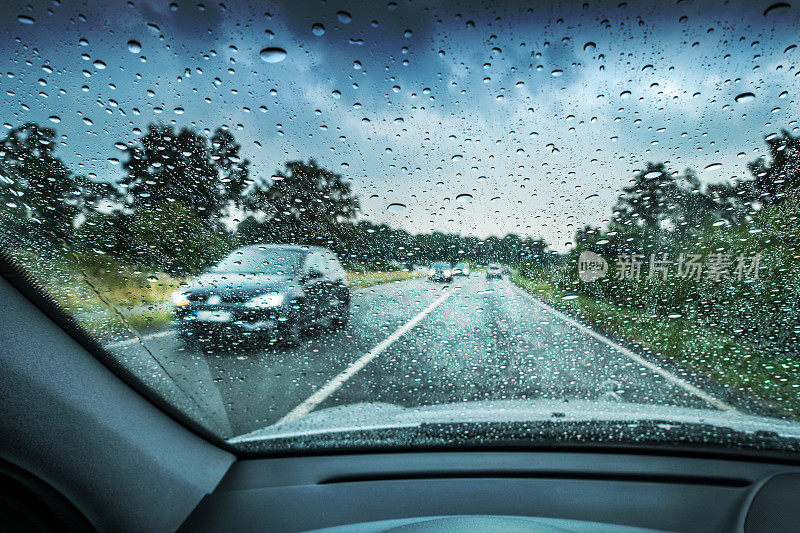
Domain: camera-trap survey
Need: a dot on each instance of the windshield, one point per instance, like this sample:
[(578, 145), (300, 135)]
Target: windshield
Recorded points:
[(269, 261), (622, 175)]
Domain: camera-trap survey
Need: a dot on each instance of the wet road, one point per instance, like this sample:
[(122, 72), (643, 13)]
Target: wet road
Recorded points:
[(409, 343)]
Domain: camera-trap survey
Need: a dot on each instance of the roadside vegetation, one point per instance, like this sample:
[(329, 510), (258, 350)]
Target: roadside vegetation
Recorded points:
[(736, 317)]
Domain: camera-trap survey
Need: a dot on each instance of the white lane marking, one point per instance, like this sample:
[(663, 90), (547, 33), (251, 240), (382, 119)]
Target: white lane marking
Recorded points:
[(134, 340), (719, 404), (333, 385)]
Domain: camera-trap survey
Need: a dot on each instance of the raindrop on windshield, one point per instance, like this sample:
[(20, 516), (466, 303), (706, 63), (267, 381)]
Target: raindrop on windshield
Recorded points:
[(589, 47), (344, 17), (272, 54), (318, 29), (776, 8), (24, 19), (465, 197), (396, 207), (744, 97), (713, 166), (134, 46)]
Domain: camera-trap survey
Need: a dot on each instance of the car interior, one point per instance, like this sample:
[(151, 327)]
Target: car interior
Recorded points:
[(82, 450), (354, 266)]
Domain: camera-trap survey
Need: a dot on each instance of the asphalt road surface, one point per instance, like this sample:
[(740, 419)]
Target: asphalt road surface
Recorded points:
[(409, 343)]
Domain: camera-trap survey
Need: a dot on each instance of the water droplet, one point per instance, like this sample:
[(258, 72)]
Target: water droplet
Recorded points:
[(357, 65), (779, 7), (589, 47), (569, 297), (25, 19), (152, 279), (134, 47), (99, 65), (744, 97), (272, 54), (178, 111), (55, 118), (336, 94), (407, 34), (395, 208), (652, 175), (318, 29), (344, 17), (714, 166), (465, 197), (556, 73), (624, 94)]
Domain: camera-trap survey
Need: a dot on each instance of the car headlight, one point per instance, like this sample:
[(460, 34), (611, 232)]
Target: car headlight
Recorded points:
[(446, 273), (431, 272), (266, 300), (179, 298)]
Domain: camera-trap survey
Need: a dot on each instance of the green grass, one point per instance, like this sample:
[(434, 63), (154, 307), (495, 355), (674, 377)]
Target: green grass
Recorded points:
[(359, 280), (771, 378)]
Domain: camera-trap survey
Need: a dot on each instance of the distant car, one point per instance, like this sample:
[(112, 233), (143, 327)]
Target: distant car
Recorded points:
[(494, 271), (275, 291), (461, 269), (506, 269), (440, 271)]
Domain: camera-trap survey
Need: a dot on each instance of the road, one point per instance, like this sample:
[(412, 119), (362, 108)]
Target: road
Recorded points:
[(409, 343)]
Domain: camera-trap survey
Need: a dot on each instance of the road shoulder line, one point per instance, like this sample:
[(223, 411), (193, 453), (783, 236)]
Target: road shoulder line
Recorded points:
[(700, 393)]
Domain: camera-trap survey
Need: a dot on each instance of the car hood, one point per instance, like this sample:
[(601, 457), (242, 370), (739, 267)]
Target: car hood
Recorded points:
[(222, 282), (377, 416)]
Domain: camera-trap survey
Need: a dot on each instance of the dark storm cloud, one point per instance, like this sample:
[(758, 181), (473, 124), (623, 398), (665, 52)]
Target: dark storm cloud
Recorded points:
[(182, 17)]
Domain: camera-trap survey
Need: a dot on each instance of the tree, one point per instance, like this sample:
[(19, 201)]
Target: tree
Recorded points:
[(306, 199), (660, 202), (184, 168), (771, 180), (36, 186), (234, 172)]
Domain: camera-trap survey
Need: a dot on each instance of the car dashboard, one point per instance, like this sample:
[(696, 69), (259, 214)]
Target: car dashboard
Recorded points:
[(574, 491)]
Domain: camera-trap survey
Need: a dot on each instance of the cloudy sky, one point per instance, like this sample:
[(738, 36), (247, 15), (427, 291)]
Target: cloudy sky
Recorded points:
[(462, 118)]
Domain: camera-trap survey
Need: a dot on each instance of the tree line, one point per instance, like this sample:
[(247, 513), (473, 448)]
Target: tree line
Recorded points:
[(664, 214), (185, 199)]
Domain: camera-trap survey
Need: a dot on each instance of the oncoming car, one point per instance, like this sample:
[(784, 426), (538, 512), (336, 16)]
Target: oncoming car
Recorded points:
[(275, 291), (494, 271), (461, 269), (440, 271)]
